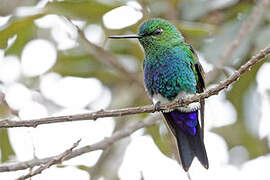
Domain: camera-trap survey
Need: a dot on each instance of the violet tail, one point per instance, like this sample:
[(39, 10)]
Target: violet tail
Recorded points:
[(186, 128)]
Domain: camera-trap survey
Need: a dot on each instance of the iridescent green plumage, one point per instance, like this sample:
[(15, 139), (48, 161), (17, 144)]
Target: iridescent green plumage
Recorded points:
[(172, 56), (166, 75), (171, 70)]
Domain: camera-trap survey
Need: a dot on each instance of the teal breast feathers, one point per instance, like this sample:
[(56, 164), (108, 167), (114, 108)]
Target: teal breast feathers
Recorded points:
[(169, 74)]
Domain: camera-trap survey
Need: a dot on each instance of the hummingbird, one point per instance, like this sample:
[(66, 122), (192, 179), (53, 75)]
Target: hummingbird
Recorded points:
[(172, 71)]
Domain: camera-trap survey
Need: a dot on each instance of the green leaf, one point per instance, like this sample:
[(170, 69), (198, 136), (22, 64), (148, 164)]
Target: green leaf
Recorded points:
[(89, 10), (83, 66), (164, 143), (23, 28), (126, 47), (196, 28), (6, 149)]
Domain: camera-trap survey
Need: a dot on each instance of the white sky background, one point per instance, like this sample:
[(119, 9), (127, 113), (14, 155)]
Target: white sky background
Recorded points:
[(77, 95)]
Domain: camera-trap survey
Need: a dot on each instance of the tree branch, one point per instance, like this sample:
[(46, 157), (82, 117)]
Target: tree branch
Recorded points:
[(104, 56), (247, 28), (149, 121), (58, 159), (143, 109)]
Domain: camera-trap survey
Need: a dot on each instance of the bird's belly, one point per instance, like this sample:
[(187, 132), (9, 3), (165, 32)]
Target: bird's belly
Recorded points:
[(182, 94)]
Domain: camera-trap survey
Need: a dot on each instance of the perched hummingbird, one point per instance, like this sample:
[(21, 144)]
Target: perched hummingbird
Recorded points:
[(172, 71)]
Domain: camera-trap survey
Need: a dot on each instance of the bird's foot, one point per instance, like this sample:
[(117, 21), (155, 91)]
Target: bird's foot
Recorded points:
[(157, 106), (180, 100)]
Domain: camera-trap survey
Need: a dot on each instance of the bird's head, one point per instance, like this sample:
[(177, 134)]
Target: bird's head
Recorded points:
[(156, 33)]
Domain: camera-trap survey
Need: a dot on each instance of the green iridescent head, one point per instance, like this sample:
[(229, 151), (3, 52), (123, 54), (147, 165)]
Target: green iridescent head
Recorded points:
[(156, 33)]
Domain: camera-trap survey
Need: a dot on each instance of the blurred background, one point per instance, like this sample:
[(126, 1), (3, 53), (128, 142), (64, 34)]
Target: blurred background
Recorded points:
[(49, 68)]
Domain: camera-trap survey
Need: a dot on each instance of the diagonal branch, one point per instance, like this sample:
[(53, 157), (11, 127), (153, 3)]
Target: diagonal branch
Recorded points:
[(245, 30), (104, 56), (149, 121), (143, 109), (58, 159)]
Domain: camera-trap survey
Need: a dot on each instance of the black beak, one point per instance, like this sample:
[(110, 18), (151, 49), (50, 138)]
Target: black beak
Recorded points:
[(125, 36)]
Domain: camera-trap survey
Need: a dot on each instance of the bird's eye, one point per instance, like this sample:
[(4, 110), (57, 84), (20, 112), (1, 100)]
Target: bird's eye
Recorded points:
[(157, 32)]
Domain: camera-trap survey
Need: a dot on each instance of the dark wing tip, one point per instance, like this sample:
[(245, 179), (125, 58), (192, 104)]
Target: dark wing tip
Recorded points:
[(206, 166), (185, 168)]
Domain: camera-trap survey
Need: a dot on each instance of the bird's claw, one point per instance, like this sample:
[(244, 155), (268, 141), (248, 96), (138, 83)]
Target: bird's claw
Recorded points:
[(180, 100), (157, 106)]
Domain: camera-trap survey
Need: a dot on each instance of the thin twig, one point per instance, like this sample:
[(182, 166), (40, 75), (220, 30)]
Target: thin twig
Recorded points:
[(104, 56), (143, 109), (149, 121), (56, 160), (245, 30)]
